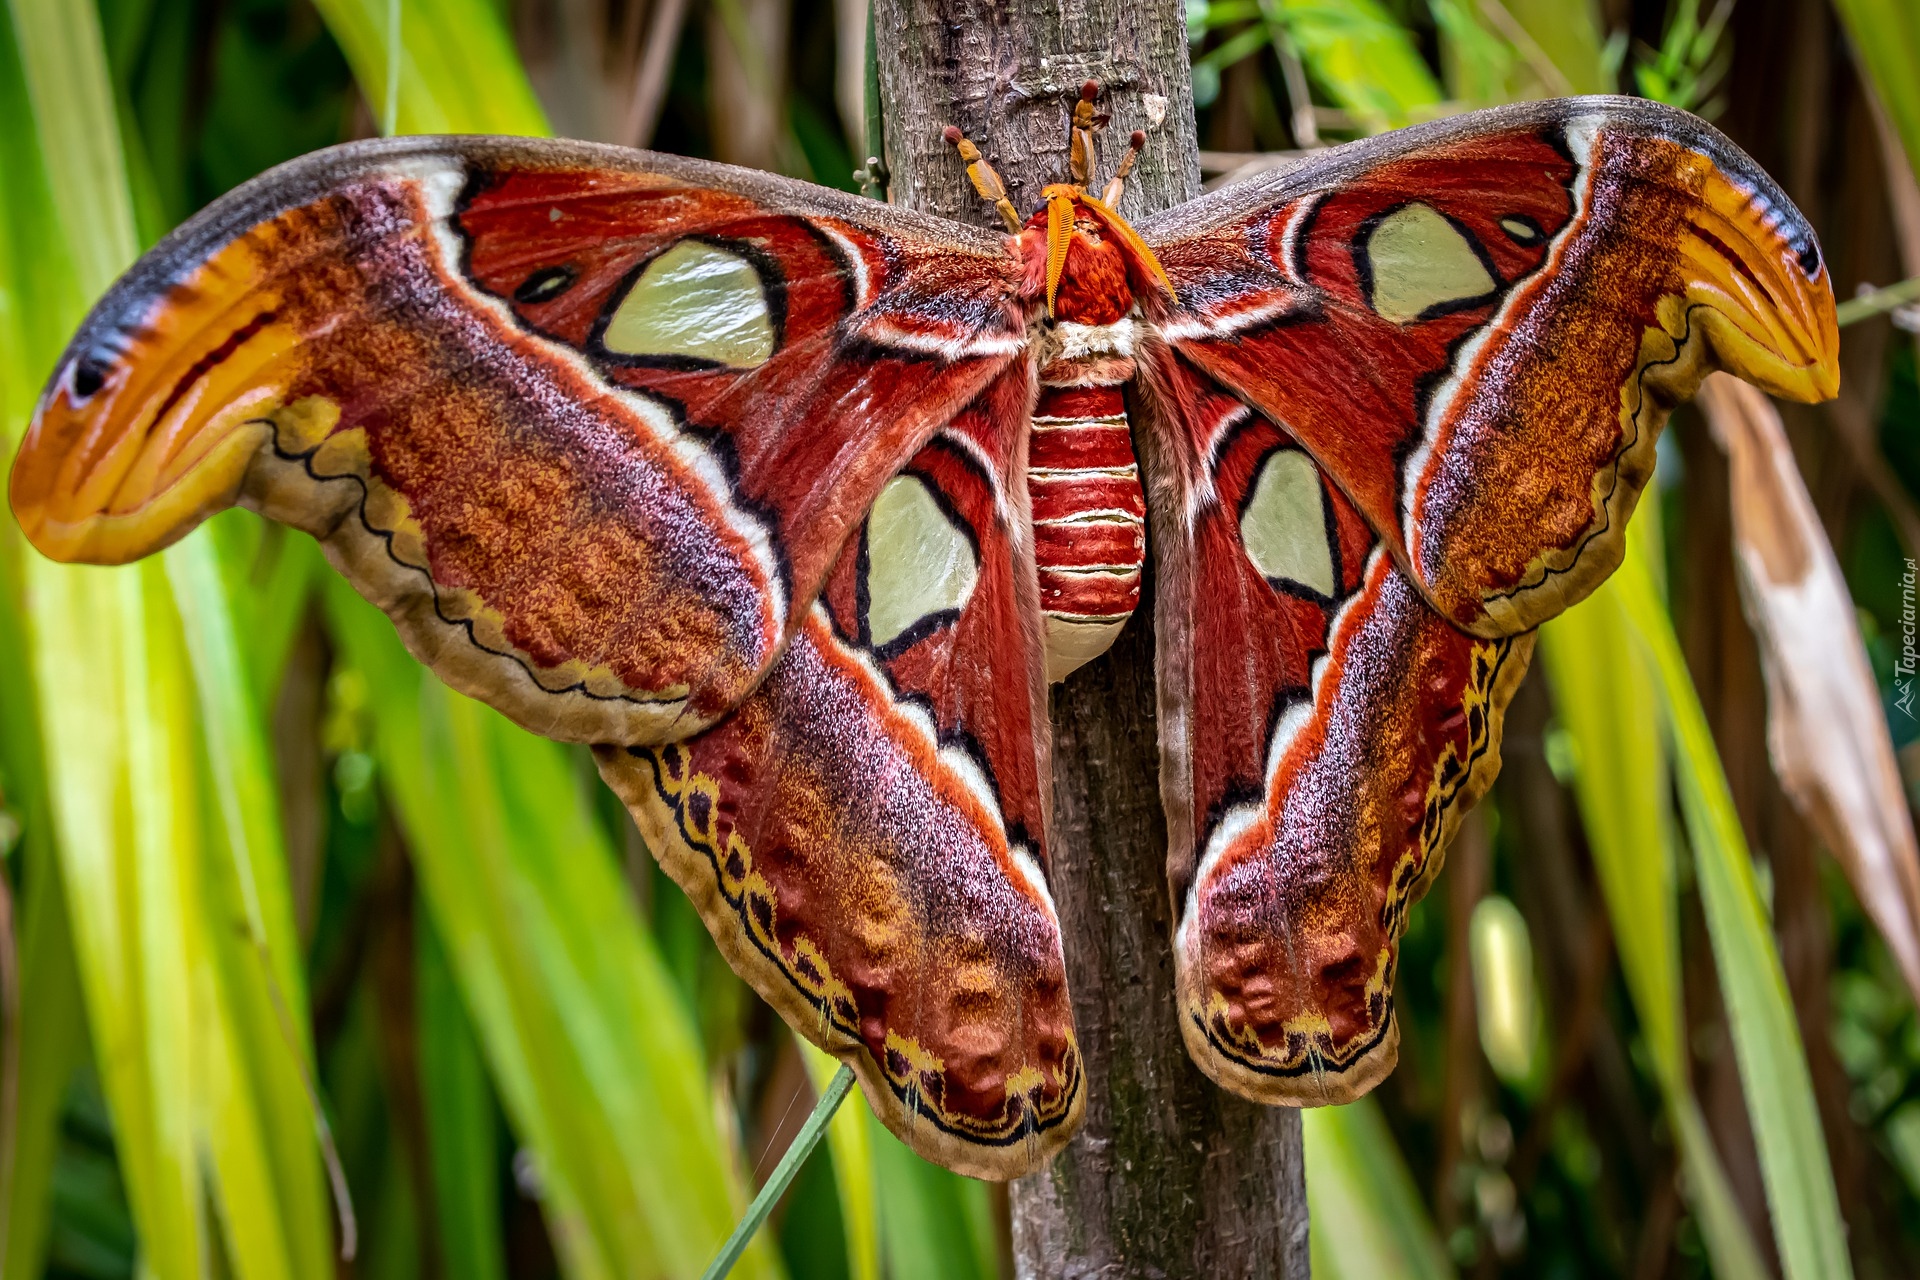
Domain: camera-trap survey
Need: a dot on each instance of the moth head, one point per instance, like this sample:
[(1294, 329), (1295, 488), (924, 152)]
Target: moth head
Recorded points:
[(1070, 216)]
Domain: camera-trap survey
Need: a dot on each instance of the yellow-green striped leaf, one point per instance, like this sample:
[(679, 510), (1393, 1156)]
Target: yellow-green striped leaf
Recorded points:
[(1807, 1224), (456, 70), (1368, 1221), (588, 1040)]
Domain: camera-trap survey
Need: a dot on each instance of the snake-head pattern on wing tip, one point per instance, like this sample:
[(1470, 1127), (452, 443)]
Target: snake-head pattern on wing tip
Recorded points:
[(792, 503)]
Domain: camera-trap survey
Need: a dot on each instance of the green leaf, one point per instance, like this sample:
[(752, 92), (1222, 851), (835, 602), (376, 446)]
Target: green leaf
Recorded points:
[(934, 1225), (1807, 1224), (588, 1040), (1885, 40), (1497, 51), (1365, 60), (459, 1121), (1506, 1000), (1608, 699), (457, 70), (1368, 1221), (1560, 38)]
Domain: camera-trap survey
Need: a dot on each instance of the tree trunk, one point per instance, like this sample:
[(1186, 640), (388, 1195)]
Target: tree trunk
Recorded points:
[(1170, 1176)]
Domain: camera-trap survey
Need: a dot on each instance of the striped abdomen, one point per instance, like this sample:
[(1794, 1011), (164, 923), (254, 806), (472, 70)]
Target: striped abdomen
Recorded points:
[(1088, 516)]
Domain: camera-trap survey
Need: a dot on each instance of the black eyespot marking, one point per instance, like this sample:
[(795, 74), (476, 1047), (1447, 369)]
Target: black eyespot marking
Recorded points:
[(1521, 229), (1809, 257), (546, 284), (89, 375)]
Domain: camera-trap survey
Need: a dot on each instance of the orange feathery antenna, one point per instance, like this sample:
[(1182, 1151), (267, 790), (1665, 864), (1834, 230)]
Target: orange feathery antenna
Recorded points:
[(1060, 201), (1121, 228)]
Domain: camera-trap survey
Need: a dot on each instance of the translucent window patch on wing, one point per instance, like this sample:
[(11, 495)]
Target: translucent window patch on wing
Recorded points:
[(697, 300), (919, 563), (1284, 523), (1420, 263)]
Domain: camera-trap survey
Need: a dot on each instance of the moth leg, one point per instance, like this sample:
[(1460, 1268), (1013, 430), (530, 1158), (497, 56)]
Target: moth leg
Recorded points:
[(1081, 158), (985, 180), (1117, 185)]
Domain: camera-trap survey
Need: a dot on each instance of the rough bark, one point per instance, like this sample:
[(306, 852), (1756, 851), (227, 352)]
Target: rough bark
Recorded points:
[(1170, 1176)]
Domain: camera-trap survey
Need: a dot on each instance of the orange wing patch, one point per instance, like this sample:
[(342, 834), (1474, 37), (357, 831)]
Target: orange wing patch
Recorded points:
[(1498, 312), (559, 421)]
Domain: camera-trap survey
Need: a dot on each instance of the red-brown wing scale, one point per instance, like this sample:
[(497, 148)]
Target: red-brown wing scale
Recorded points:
[(1322, 732), (865, 835), (590, 425), (1400, 415), (1478, 327), (597, 429)]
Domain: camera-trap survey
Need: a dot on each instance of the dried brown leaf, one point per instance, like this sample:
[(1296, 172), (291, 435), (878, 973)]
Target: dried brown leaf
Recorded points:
[(1825, 728)]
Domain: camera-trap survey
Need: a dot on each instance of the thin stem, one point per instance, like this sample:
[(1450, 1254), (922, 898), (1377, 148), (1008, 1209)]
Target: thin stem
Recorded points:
[(873, 171), (1293, 74), (656, 65), (783, 1174), (1879, 302), (9, 1058), (390, 110)]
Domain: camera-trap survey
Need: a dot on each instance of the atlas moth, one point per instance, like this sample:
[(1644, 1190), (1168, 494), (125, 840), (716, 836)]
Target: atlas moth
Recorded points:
[(792, 504)]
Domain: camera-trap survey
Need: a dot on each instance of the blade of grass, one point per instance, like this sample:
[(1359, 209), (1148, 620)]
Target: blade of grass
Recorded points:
[(127, 816), (50, 1040), (71, 99), (110, 695), (199, 1050), (1766, 1038), (459, 1119), (244, 789), (457, 71), (49, 1034), (269, 574), (590, 1044), (261, 1094), (782, 1177), (1607, 697), (1369, 1222), (851, 1143)]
